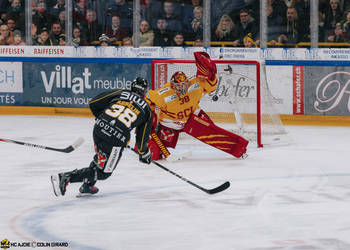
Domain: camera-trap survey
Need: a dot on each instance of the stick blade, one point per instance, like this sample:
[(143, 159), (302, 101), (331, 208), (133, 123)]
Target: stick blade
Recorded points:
[(220, 188), (74, 146), (78, 142)]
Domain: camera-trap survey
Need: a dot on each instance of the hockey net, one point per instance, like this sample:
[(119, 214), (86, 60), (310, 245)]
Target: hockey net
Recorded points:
[(242, 102)]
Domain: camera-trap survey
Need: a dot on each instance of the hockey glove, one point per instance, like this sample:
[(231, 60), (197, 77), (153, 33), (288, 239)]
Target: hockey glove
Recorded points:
[(146, 157), (205, 67)]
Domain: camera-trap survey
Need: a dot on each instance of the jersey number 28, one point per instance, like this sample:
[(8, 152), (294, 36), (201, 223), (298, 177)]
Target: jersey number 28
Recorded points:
[(122, 113)]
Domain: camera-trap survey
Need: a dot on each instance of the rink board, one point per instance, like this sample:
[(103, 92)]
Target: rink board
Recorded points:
[(319, 120)]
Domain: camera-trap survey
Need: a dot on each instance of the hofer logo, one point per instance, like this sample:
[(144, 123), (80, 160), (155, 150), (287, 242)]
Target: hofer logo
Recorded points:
[(62, 78)]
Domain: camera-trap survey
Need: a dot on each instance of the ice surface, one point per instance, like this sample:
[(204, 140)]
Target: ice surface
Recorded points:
[(286, 197)]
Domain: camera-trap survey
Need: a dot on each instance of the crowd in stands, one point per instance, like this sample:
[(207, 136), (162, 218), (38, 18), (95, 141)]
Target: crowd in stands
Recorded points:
[(173, 22)]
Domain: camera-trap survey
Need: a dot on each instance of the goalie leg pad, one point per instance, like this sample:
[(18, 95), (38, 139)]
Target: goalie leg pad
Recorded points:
[(215, 136), (158, 143), (155, 149)]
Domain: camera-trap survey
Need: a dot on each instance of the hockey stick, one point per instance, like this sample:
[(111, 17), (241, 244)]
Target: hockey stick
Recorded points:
[(218, 189), (68, 149)]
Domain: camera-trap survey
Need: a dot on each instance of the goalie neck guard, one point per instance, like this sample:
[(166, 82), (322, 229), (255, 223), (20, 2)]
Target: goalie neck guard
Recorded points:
[(139, 86), (179, 82)]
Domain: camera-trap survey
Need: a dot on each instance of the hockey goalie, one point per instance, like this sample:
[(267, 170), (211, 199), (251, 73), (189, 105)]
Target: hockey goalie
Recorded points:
[(177, 106)]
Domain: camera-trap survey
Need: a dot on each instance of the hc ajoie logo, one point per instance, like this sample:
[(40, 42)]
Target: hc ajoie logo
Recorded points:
[(5, 244)]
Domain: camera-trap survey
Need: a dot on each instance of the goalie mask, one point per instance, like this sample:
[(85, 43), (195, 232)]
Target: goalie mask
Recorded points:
[(179, 82), (139, 86)]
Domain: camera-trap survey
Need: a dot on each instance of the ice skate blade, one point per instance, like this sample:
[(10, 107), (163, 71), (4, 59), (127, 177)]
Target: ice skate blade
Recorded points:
[(82, 195), (55, 180)]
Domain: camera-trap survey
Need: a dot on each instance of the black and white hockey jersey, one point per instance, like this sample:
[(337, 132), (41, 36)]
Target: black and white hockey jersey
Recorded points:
[(117, 113)]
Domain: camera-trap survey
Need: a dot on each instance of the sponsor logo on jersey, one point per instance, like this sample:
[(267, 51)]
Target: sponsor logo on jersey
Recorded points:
[(160, 92), (193, 87), (170, 98)]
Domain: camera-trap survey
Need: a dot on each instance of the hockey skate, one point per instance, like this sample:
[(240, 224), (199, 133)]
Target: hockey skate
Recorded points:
[(87, 190), (59, 183)]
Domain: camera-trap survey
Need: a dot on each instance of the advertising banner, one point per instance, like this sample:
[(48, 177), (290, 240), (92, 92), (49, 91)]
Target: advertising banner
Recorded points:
[(327, 91), (298, 90), (228, 53), (74, 84), (11, 83)]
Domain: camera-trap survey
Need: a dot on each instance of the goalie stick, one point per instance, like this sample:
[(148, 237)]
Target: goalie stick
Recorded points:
[(218, 189), (68, 149)]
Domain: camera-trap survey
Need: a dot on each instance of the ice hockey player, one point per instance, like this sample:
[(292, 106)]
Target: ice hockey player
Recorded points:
[(178, 108), (116, 114)]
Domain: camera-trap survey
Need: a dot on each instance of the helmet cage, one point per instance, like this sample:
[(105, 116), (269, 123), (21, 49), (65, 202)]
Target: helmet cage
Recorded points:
[(179, 83)]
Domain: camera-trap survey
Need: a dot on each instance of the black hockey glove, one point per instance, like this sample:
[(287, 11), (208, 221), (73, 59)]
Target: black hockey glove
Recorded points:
[(146, 157)]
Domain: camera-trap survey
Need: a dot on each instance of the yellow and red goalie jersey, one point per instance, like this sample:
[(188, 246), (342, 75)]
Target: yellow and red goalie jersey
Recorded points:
[(175, 110)]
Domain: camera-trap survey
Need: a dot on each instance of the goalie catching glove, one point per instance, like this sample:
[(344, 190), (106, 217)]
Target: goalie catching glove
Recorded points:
[(205, 66), (146, 157)]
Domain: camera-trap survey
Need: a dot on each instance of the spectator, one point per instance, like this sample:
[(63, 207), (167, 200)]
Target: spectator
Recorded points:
[(16, 13), (3, 17), (196, 28), (246, 25), (11, 23), (15, 7), (333, 15), (34, 33), (6, 37), (91, 28), (224, 7), (274, 25), (303, 7), (226, 31), (78, 13), (279, 8), (189, 15), (43, 38), (337, 36), (151, 11), (56, 31), (346, 26), (162, 36), (115, 32), (146, 35), (178, 40), (62, 20), (321, 32), (172, 17), (58, 8), (40, 17), (17, 39), (293, 29), (78, 40), (122, 9), (127, 41), (249, 42), (104, 40), (62, 40)]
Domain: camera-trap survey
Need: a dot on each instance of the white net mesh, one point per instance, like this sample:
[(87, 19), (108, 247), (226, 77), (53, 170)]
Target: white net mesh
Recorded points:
[(234, 103)]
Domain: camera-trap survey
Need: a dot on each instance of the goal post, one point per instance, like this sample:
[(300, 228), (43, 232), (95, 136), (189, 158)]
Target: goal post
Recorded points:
[(242, 102)]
